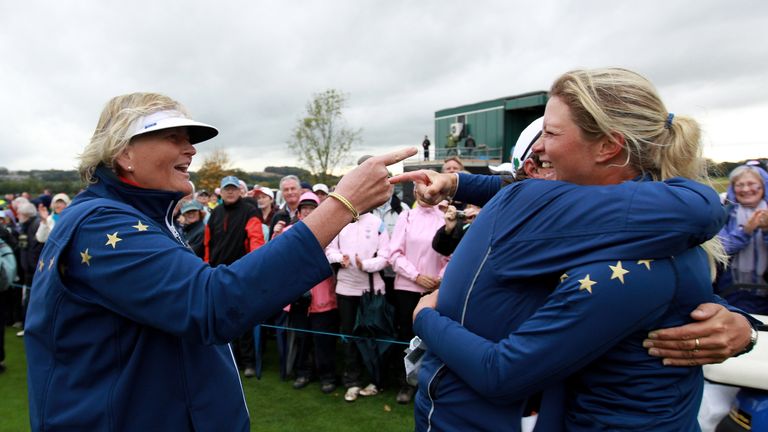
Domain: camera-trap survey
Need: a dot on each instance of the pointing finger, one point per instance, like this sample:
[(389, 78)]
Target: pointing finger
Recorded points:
[(395, 156), (412, 176)]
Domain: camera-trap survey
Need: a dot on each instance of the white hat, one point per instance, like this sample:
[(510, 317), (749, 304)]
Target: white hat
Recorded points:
[(198, 132), (264, 190), (506, 167), (321, 187), (61, 197), (525, 141)]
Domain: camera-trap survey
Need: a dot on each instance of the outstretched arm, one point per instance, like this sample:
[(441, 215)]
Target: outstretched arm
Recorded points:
[(433, 187), (366, 187)]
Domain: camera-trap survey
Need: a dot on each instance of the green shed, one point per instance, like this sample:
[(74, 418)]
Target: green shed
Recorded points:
[(494, 125)]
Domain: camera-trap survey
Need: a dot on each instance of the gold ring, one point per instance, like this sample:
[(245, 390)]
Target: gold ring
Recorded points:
[(698, 344)]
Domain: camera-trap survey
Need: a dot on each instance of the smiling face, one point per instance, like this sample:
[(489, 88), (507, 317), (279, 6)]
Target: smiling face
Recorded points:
[(191, 216), (159, 160), (749, 189), (291, 191), (563, 148)]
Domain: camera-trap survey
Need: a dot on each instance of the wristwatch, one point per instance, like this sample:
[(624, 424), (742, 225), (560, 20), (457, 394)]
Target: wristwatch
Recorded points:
[(752, 340)]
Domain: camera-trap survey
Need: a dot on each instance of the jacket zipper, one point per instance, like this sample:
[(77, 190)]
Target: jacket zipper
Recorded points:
[(434, 381)]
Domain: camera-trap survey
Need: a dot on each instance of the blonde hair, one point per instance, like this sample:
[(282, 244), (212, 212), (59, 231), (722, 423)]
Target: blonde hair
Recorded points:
[(110, 138), (609, 101)]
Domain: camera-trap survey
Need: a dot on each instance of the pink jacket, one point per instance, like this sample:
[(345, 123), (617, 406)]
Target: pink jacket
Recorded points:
[(363, 238), (323, 295), (411, 252)]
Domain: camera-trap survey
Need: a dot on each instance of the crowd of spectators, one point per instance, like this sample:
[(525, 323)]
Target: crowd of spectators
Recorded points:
[(399, 249), (388, 251)]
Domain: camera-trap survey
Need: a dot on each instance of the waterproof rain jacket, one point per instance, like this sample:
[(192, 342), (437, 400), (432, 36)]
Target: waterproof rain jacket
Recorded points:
[(127, 329), (528, 239)]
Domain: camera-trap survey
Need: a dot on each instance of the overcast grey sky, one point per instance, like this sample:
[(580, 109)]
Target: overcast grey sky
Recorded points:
[(249, 67)]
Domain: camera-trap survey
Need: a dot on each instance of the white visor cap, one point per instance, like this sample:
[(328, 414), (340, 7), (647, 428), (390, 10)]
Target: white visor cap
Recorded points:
[(198, 132), (525, 141)]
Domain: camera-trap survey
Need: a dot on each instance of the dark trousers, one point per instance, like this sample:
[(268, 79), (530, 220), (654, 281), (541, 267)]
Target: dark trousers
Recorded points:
[(245, 351), (323, 346), (14, 307), (3, 297), (405, 303), (352, 362)]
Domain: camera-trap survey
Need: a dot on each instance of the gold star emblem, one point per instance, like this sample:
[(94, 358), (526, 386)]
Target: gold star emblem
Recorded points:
[(86, 258), (646, 263), (112, 240), (563, 277), (586, 284), (40, 265), (50, 264), (618, 272), (141, 227)]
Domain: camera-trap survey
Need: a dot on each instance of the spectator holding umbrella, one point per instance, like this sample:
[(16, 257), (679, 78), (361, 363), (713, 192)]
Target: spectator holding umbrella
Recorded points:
[(361, 251)]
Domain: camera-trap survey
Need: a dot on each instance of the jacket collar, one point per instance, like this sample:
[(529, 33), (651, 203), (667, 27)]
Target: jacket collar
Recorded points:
[(156, 204)]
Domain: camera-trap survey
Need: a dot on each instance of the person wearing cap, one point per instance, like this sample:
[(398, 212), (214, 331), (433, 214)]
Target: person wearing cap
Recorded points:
[(127, 328), (321, 190), (265, 199), (44, 199), (194, 226), (525, 165), (315, 311), (59, 202), (513, 299), (233, 230)]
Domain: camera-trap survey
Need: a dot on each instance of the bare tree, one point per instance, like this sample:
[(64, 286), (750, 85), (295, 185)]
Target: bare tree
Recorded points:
[(215, 167), (321, 139)]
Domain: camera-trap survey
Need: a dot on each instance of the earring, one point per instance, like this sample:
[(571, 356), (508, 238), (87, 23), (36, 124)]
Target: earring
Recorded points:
[(130, 168)]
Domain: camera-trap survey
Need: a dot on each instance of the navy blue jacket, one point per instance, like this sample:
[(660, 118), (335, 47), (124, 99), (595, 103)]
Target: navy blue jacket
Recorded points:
[(475, 375), (127, 329)]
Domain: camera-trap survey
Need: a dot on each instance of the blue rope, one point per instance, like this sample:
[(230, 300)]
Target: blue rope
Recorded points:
[(340, 335), (344, 338)]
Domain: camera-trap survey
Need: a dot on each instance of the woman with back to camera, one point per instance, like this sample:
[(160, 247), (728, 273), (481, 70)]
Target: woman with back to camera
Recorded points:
[(128, 329), (559, 281)]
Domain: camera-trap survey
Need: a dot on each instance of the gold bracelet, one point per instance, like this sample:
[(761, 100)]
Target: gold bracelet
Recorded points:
[(453, 188), (347, 204)]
